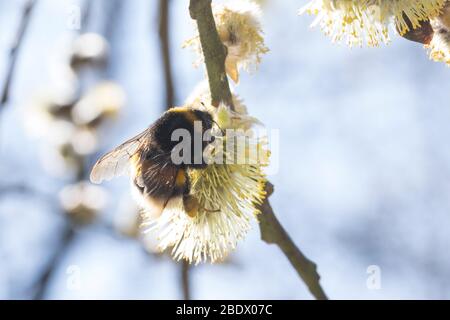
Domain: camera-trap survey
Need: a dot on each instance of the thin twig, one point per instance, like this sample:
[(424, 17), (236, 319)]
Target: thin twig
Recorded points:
[(163, 30), (42, 284), (67, 237), (68, 234), (14, 52), (272, 231), (87, 8), (164, 41), (23, 189), (185, 279)]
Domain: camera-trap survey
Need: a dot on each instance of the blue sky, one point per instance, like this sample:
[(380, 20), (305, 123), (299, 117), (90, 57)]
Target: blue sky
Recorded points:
[(364, 173)]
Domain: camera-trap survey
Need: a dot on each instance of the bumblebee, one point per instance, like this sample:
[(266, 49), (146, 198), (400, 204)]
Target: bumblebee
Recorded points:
[(425, 32), (148, 159), (422, 34)]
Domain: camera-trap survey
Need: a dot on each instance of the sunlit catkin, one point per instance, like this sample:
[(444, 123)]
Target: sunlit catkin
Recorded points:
[(238, 25)]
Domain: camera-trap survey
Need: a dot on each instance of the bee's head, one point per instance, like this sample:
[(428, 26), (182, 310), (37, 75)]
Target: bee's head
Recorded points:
[(180, 118), (205, 118)]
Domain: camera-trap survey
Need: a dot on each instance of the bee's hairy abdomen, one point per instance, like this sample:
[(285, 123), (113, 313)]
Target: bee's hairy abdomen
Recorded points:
[(158, 177)]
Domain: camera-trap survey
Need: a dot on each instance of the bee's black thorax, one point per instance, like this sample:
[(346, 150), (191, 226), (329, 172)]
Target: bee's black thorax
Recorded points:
[(186, 119)]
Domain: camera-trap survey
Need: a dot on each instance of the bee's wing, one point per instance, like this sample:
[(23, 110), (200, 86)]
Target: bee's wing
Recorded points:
[(115, 163)]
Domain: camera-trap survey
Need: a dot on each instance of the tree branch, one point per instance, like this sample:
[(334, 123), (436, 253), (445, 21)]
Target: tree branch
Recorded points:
[(14, 52), (272, 232), (213, 50)]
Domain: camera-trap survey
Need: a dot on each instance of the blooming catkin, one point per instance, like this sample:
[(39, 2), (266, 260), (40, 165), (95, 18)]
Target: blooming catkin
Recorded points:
[(228, 191), (439, 47), (356, 22), (239, 29)]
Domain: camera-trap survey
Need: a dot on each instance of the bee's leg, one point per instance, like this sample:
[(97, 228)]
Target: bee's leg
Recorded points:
[(191, 205), (211, 211), (139, 186)]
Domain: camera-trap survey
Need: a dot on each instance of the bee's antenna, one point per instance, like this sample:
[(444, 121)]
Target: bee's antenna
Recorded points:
[(221, 130)]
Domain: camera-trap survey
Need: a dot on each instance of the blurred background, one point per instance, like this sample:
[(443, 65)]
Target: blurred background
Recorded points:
[(364, 158)]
